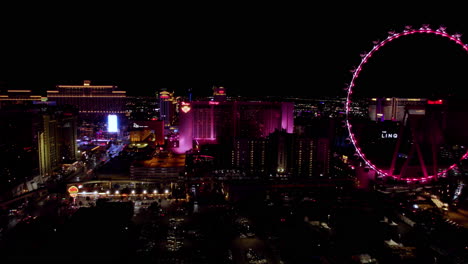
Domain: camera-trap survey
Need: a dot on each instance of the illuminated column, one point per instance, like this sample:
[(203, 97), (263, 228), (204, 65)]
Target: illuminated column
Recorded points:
[(43, 150), (287, 117), (185, 128)]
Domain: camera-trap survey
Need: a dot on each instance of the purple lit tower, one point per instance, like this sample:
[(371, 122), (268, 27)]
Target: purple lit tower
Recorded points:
[(185, 128)]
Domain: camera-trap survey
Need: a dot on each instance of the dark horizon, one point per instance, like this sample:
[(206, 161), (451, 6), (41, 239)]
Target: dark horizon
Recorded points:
[(279, 53)]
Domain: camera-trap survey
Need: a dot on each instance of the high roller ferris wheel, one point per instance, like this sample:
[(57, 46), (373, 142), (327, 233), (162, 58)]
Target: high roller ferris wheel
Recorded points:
[(391, 172)]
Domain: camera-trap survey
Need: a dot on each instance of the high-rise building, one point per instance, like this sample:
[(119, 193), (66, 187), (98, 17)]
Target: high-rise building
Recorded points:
[(57, 139), (213, 122), (219, 94), (316, 140), (37, 139), (20, 97), (281, 155), (92, 101), (304, 157), (322, 163), (250, 155), (167, 107)]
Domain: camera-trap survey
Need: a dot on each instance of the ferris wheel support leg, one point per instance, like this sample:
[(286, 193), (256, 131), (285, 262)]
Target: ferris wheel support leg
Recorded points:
[(397, 147), (434, 158), (421, 160), (405, 165)]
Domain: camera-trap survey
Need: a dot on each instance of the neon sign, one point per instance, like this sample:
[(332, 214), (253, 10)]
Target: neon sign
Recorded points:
[(388, 135), (73, 191), (185, 107)]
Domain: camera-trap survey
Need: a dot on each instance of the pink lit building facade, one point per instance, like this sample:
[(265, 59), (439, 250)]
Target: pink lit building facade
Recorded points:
[(215, 122)]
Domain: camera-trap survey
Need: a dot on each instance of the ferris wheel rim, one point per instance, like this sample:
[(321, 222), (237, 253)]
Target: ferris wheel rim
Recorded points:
[(425, 29)]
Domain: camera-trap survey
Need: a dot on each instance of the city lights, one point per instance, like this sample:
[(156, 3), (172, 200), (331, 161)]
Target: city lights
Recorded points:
[(373, 174)]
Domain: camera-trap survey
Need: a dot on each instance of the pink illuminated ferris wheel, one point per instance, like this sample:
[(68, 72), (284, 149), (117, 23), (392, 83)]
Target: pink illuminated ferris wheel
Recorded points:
[(413, 155)]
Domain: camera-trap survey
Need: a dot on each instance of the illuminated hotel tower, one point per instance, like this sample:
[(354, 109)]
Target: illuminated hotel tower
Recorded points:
[(212, 122), (167, 107), (91, 100), (37, 139), (219, 94), (19, 97)]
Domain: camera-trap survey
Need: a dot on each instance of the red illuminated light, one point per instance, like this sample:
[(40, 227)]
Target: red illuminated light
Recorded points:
[(435, 102)]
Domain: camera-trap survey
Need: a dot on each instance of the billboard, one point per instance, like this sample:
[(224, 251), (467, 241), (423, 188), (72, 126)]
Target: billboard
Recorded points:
[(112, 124)]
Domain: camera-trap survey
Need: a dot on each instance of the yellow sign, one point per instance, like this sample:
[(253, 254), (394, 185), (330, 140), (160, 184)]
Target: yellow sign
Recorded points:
[(73, 191)]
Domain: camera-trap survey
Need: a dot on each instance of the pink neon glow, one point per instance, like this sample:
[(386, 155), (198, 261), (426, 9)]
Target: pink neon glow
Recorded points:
[(432, 102), (377, 46), (213, 103)]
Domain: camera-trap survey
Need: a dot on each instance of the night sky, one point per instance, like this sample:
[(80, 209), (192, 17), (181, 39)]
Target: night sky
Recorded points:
[(275, 49)]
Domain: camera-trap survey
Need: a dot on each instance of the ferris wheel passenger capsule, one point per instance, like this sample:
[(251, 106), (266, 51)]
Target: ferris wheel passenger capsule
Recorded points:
[(457, 35), (441, 29), (425, 27)]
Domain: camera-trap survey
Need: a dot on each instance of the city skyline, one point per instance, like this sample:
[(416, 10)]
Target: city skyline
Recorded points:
[(266, 168)]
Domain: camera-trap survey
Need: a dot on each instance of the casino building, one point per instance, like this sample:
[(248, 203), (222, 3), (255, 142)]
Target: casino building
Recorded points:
[(215, 122), (92, 101)]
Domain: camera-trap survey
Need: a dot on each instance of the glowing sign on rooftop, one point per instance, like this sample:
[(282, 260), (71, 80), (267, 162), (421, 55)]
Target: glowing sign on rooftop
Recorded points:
[(185, 107)]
